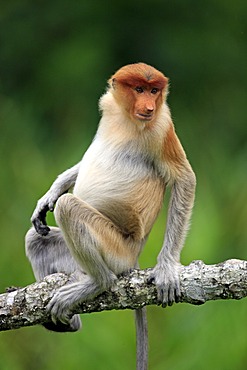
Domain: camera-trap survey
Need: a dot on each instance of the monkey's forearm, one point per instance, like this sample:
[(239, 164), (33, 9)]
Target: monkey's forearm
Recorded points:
[(166, 272), (179, 214), (60, 186), (65, 180)]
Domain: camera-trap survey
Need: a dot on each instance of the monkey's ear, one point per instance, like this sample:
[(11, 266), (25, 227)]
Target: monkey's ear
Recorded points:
[(113, 83)]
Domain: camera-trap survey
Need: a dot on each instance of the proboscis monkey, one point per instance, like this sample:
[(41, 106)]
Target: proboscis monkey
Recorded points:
[(118, 190)]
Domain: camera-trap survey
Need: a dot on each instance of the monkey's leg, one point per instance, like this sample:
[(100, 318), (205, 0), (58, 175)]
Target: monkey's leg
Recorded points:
[(96, 243), (47, 255), (98, 246)]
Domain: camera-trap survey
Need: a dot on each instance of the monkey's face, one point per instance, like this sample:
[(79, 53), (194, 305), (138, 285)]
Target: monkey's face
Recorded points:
[(140, 103), (140, 90), (146, 102)]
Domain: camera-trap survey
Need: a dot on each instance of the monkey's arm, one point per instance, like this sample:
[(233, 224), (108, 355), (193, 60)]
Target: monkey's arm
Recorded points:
[(60, 186), (183, 180), (166, 272)]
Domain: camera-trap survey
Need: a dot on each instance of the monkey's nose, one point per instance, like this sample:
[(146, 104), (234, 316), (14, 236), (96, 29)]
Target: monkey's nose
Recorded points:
[(150, 109)]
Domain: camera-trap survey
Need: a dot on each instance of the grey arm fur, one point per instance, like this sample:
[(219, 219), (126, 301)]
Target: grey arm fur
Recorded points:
[(166, 272), (60, 186)]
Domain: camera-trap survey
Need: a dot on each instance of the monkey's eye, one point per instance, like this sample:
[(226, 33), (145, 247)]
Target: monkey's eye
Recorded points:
[(139, 89), (154, 90)]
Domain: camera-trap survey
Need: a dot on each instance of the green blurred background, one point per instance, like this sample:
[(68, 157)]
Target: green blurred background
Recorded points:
[(55, 59)]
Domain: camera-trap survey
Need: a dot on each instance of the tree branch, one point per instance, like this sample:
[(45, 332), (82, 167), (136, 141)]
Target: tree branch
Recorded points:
[(199, 283)]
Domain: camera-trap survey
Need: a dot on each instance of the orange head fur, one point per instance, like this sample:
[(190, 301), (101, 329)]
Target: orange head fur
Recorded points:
[(140, 90)]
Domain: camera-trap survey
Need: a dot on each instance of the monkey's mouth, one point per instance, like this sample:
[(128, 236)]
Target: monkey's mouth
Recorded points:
[(144, 117)]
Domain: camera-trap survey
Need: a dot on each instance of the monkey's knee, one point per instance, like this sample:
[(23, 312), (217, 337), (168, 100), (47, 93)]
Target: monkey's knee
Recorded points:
[(64, 201), (48, 254), (68, 208), (63, 208), (32, 243), (35, 243)]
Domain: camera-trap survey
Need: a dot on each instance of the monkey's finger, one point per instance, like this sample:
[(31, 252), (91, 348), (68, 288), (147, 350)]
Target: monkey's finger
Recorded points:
[(40, 228), (42, 214), (36, 223), (171, 295), (54, 319), (51, 206), (177, 294), (49, 308), (174, 294), (59, 315), (162, 296), (165, 303), (151, 278)]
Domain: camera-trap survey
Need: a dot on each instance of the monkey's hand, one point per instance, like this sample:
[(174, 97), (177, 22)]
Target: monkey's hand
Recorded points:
[(166, 277), (45, 204)]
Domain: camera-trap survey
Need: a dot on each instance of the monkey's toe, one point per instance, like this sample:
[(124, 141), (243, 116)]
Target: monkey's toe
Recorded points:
[(60, 327)]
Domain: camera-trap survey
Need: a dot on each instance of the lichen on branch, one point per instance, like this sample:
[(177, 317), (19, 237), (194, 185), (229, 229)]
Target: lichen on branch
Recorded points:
[(199, 283)]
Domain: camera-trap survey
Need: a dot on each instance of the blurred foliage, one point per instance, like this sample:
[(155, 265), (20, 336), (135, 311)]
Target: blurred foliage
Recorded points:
[(55, 59)]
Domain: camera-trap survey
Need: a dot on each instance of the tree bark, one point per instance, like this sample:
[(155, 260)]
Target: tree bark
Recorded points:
[(199, 283)]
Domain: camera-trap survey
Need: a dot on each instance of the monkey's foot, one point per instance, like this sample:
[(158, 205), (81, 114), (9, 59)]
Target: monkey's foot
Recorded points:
[(62, 305), (166, 279)]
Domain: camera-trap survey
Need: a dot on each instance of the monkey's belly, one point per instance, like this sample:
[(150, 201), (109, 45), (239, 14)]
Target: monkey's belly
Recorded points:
[(132, 206)]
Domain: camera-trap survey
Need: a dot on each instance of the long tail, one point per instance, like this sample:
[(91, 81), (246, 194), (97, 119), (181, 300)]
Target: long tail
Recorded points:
[(141, 339)]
